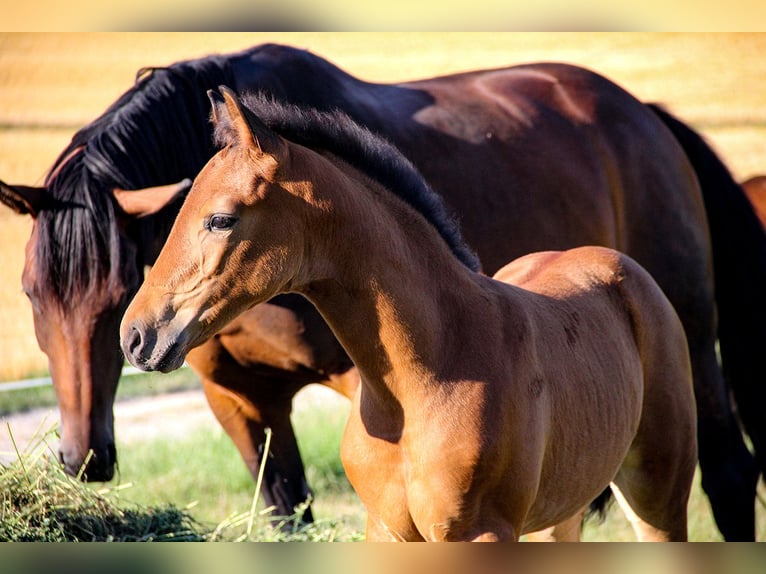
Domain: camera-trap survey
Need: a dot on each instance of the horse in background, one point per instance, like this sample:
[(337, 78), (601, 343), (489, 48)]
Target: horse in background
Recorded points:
[(488, 409), (529, 158)]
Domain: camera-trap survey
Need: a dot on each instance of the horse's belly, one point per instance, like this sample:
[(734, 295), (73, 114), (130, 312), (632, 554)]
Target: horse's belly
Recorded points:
[(564, 500), (587, 444)]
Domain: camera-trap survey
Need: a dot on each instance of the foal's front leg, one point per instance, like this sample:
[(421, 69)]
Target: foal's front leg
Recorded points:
[(500, 532), (449, 516), (378, 531)]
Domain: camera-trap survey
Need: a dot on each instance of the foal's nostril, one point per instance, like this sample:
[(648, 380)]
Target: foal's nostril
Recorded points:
[(138, 344), (134, 342)]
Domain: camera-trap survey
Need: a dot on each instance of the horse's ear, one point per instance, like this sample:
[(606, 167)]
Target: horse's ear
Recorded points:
[(237, 122), (150, 200), (23, 199)]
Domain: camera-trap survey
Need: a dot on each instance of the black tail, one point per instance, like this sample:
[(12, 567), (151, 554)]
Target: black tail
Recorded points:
[(739, 261), (600, 506)]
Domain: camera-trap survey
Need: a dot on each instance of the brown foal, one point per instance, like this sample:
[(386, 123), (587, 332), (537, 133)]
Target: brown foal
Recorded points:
[(488, 408)]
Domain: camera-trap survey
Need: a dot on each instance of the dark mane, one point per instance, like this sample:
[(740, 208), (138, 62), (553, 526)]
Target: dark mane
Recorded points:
[(338, 134), (156, 133)]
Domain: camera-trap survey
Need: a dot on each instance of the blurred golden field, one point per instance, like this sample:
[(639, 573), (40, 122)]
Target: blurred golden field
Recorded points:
[(51, 84)]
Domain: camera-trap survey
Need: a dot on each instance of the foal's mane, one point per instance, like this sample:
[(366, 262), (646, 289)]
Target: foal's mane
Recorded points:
[(155, 133), (335, 132)]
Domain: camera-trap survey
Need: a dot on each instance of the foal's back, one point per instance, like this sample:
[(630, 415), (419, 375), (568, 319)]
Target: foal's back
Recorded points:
[(598, 295)]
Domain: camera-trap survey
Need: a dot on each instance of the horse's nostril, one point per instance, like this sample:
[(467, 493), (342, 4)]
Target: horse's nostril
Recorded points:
[(134, 341)]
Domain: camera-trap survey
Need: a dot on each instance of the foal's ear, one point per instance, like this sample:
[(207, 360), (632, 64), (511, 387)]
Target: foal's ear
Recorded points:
[(234, 123), (23, 199)]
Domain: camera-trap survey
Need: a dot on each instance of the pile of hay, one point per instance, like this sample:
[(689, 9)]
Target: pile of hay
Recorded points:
[(39, 502)]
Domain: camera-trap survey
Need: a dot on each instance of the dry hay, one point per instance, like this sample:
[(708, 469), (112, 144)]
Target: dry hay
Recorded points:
[(40, 502)]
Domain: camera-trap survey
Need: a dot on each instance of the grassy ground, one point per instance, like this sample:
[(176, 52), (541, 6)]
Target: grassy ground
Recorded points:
[(228, 488), (54, 83), (140, 385), (201, 473), (204, 470)]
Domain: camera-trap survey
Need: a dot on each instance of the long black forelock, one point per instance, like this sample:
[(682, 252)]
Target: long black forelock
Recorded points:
[(156, 133), (78, 243), (337, 133)]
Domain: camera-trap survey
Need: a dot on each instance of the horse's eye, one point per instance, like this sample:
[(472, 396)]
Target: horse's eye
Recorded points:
[(220, 222)]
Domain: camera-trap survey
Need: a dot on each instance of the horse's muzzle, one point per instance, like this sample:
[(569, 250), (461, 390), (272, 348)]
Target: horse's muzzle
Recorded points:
[(146, 351), (134, 346), (100, 467)]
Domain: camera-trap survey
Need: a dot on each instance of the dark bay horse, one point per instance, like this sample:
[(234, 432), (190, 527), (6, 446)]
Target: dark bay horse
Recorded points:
[(499, 146), (488, 408)]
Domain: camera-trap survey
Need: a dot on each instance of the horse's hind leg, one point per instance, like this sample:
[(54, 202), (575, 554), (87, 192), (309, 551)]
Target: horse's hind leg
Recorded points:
[(569, 530), (655, 479), (729, 471), (650, 529), (653, 499)]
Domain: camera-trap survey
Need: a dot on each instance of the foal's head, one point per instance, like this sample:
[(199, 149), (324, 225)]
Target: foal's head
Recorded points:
[(254, 223), (237, 237)]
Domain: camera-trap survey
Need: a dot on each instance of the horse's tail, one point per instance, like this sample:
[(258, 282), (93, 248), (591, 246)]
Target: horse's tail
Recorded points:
[(600, 506), (739, 264)]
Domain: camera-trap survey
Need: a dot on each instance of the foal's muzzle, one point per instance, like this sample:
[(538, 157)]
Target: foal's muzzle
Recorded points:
[(147, 351)]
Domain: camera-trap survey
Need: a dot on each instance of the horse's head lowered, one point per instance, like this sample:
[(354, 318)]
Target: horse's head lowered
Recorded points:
[(221, 250), (106, 207), (80, 271)]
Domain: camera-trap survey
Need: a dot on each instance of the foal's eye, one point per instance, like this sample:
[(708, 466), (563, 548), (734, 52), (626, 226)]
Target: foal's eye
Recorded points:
[(220, 222)]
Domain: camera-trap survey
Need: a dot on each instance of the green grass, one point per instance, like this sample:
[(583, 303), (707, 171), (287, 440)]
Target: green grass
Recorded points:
[(196, 488), (205, 470), (204, 474)]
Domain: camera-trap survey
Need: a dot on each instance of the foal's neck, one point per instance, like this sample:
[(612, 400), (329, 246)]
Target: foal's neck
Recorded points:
[(394, 294)]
